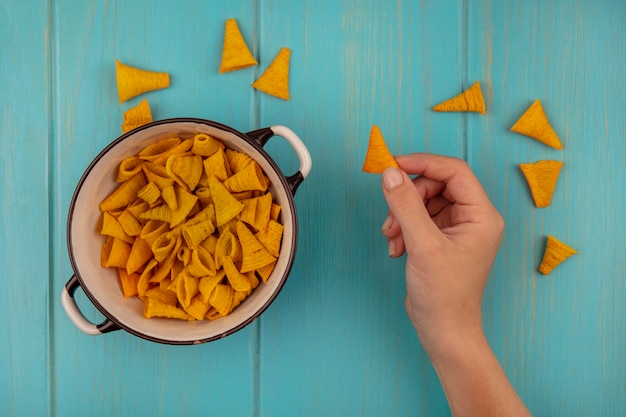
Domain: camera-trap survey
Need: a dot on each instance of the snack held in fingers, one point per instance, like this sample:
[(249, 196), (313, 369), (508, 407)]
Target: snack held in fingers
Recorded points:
[(275, 80), (556, 252), (534, 123), (235, 52), (378, 157), (133, 81), (542, 177), (470, 100)]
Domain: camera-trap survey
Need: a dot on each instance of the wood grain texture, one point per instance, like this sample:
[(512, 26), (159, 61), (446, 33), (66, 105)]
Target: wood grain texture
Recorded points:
[(24, 209), (337, 340), (118, 374), (560, 337)]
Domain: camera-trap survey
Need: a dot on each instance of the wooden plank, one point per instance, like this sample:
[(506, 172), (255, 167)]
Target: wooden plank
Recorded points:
[(118, 373), (337, 340), (559, 337), (24, 208)]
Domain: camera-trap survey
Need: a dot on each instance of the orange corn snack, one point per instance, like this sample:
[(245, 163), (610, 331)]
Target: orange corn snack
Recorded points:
[(207, 284), (237, 160), (202, 263), (140, 253), (112, 227), (129, 223), (162, 213), (115, 253), (132, 81), (198, 307), (534, 123), (275, 80), (150, 193), (172, 228), (235, 52), (256, 211), (186, 288), (470, 100), (270, 237), (137, 116), (217, 165), (266, 271), (255, 255), (542, 177), (185, 201), (378, 157), (162, 295), (237, 280), (155, 308), (222, 298), (556, 252), (128, 168), (168, 193), (248, 179), (125, 194), (153, 151), (128, 282), (186, 170), (226, 206), (227, 245), (205, 145)]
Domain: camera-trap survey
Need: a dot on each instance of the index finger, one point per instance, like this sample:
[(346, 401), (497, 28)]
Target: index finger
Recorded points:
[(461, 184)]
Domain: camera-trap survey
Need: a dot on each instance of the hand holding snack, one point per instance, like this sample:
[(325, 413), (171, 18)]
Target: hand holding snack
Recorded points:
[(451, 233)]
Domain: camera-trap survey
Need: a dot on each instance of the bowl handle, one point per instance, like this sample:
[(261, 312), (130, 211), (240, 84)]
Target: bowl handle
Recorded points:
[(71, 308), (261, 137)]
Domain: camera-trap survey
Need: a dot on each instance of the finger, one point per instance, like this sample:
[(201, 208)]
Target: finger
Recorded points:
[(435, 205), (391, 227), (461, 184), (407, 207), (428, 188), (392, 231), (396, 246)]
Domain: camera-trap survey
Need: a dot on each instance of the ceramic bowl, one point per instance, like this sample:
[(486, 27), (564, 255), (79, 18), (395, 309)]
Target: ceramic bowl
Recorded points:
[(101, 285)]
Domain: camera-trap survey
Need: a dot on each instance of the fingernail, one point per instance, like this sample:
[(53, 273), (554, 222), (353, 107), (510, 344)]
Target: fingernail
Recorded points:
[(392, 177), (387, 223), (392, 248)]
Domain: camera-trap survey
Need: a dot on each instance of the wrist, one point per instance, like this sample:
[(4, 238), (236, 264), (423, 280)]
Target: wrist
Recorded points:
[(456, 349), (449, 343)]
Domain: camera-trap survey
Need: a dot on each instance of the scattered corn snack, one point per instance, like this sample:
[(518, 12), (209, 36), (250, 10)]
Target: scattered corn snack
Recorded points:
[(470, 100), (534, 123), (137, 116), (542, 177), (132, 81), (235, 53), (275, 80), (555, 253), (378, 157), (191, 229)]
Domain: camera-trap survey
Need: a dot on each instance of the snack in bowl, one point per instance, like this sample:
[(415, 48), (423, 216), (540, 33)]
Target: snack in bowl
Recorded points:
[(113, 172), (174, 223)]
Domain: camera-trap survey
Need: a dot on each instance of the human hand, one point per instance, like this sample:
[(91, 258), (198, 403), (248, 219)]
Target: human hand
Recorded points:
[(451, 233)]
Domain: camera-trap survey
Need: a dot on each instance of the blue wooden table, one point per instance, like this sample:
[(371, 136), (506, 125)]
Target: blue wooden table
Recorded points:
[(337, 340)]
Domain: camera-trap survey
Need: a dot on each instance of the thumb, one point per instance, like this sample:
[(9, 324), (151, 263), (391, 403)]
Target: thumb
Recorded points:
[(407, 206)]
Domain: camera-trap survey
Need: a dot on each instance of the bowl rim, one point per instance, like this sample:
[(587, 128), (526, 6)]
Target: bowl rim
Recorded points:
[(289, 263)]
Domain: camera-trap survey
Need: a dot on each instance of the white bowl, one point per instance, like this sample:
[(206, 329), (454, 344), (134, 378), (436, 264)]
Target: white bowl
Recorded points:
[(101, 285)]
